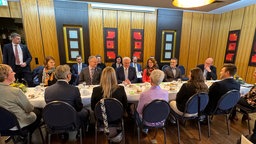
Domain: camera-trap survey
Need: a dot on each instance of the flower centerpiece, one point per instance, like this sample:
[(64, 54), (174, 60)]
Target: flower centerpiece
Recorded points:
[(20, 86), (239, 79)]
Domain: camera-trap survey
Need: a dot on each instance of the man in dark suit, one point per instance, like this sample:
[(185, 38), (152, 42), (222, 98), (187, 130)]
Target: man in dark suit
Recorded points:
[(18, 57), (219, 88), (126, 74), (62, 91), (172, 72), (209, 71), (137, 67), (100, 64), (77, 68), (91, 74)]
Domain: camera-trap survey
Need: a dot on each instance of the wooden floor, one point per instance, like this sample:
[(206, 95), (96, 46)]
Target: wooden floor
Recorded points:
[(189, 133)]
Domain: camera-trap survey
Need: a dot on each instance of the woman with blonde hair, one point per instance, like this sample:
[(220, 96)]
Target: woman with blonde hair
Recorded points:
[(108, 88)]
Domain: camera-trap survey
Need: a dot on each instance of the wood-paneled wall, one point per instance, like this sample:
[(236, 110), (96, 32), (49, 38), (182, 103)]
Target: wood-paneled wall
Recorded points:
[(11, 11), (124, 21), (206, 35)]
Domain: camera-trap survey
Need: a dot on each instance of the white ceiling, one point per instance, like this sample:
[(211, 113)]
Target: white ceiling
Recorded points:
[(220, 6)]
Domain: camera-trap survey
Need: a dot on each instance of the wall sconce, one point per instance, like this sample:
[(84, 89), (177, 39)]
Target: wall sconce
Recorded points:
[(191, 3)]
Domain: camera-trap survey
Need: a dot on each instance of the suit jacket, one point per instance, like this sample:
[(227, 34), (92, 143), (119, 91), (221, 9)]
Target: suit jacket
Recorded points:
[(218, 89), (62, 91), (131, 74), (169, 76), (85, 76), (138, 66), (74, 68), (119, 94), (209, 75), (9, 57), (101, 66)]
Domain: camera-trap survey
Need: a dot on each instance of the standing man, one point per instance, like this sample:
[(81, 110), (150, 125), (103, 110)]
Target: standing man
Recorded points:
[(219, 88), (209, 71), (137, 67), (91, 74), (77, 68), (18, 57), (172, 72), (126, 74)]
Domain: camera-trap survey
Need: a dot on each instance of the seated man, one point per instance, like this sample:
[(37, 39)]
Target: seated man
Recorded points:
[(15, 101), (77, 68), (126, 74), (62, 91), (208, 69), (91, 74), (172, 72), (100, 64), (219, 88), (155, 92), (137, 67)]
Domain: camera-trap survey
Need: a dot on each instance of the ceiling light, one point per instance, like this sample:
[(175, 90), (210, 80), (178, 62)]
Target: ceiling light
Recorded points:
[(191, 3)]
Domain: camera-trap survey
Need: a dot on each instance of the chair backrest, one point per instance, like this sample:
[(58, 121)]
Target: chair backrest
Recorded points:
[(59, 115), (196, 103), (114, 110), (182, 69), (164, 67), (156, 111), (228, 100), (7, 120)]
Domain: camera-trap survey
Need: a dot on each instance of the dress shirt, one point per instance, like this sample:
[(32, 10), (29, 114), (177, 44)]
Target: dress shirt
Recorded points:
[(19, 52), (126, 73)]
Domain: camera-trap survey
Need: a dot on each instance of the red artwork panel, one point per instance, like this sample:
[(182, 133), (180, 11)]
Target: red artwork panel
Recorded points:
[(110, 44), (232, 46), (111, 34), (111, 54), (137, 45), (254, 47), (229, 57), (253, 59), (137, 54), (137, 35), (233, 37)]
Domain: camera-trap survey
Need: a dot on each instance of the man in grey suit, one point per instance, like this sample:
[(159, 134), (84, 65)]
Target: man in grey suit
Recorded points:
[(172, 72), (126, 74), (18, 57), (91, 74)]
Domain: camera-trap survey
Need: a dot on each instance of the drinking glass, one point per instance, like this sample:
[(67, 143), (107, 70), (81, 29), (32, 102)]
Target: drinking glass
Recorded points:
[(84, 84)]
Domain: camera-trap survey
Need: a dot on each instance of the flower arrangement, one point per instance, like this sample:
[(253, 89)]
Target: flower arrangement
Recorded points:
[(239, 79), (20, 86)]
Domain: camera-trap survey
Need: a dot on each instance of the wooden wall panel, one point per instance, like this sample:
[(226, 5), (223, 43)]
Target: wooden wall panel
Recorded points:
[(137, 20), (124, 33), (237, 19), (222, 40), (48, 29), (96, 32), (214, 36), (4, 11), (149, 36), (15, 10), (196, 29), (110, 18), (185, 38), (205, 40), (32, 30)]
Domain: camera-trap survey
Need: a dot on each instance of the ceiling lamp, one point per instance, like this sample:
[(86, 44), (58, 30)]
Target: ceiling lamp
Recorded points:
[(191, 3)]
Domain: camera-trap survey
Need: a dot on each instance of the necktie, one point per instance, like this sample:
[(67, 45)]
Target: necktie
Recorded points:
[(126, 73), (17, 59), (79, 68), (92, 73)]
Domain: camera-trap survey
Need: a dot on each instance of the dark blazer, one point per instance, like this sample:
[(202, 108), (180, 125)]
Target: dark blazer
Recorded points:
[(74, 68), (62, 91), (85, 76), (169, 76), (210, 75), (131, 74), (101, 66), (218, 89), (114, 66), (138, 66), (9, 57), (119, 94)]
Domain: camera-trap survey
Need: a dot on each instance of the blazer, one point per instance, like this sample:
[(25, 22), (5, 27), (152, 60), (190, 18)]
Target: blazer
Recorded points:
[(217, 89), (74, 68), (9, 57), (131, 74), (138, 66), (209, 75), (85, 76), (119, 94), (169, 76), (62, 91)]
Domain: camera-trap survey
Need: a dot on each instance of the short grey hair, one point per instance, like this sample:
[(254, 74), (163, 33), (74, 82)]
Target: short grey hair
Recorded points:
[(13, 35), (91, 57), (127, 58), (62, 71), (156, 76)]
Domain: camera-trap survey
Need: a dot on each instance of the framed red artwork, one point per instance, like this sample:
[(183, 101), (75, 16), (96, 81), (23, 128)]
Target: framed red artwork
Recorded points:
[(111, 55), (137, 54), (137, 35), (111, 34), (110, 44), (233, 36), (229, 57), (137, 41), (232, 46), (137, 45), (252, 61)]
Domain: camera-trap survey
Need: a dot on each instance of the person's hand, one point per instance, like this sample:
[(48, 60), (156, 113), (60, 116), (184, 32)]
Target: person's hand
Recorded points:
[(127, 81), (208, 69), (23, 64)]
